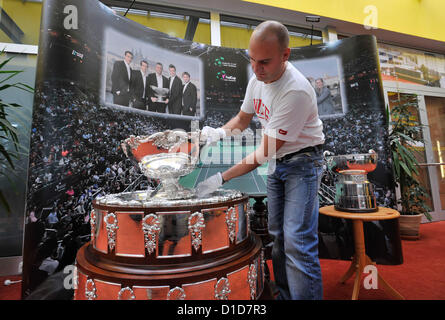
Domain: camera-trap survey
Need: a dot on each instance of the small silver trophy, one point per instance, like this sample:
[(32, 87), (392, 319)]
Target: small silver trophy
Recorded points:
[(353, 192), (160, 93)]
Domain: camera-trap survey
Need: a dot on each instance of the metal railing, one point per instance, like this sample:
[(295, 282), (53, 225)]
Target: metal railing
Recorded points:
[(326, 194)]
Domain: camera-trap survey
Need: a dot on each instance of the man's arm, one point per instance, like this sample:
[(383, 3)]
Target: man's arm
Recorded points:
[(194, 97), (176, 91), (133, 85), (239, 122), (151, 80), (268, 148), (325, 93), (115, 78)]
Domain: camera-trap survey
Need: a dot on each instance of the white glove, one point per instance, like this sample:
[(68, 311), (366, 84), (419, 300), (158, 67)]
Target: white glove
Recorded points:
[(210, 134), (209, 185)]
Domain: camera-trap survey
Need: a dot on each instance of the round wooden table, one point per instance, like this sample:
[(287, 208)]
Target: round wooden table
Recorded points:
[(360, 259)]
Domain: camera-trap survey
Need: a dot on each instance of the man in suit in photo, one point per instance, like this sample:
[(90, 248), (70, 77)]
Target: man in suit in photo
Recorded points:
[(175, 94), (156, 79), (139, 87), (120, 80), (324, 100), (189, 96)]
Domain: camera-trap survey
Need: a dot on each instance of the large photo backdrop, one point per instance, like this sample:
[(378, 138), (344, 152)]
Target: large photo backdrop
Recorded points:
[(91, 95)]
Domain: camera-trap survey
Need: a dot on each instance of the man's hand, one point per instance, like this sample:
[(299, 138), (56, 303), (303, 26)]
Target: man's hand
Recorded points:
[(210, 134), (209, 185), (153, 99)]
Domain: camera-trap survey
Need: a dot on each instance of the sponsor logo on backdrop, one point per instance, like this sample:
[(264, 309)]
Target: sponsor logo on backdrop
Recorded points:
[(222, 75), (221, 62)]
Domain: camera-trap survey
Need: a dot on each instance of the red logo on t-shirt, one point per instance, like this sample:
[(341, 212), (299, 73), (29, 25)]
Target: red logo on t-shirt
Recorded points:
[(261, 109), (283, 132)]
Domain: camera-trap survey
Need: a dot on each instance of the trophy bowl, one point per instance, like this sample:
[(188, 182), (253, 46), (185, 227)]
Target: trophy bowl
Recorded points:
[(362, 161), (160, 93), (165, 156)]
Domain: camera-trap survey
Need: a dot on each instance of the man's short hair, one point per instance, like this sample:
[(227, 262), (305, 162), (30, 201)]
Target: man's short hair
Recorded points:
[(276, 28), (159, 64), (321, 79), (143, 61), (128, 52), (186, 73), (172, 66)]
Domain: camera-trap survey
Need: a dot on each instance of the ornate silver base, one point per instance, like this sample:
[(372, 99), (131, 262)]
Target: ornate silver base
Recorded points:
[(170, 191), (140, 199), (357, 204), (354, 193)]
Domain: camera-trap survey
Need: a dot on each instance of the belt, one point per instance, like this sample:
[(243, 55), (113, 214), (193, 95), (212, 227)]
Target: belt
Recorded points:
[(316, 148)]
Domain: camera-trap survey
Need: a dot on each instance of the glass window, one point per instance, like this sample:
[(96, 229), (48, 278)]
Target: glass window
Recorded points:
[(419, 149), (435, 108)]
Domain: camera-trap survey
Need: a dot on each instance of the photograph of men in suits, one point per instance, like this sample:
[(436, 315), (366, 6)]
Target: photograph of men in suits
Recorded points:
[(139, 87), (158, 80), (120, 80), (189, 96), (175, 94)]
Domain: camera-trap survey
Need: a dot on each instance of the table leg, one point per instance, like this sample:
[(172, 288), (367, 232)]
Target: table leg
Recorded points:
[(360, 261), (352, 269), (359, 256), (357, 283)]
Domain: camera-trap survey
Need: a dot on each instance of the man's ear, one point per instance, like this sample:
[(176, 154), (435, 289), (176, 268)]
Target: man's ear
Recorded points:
[(286, 54)]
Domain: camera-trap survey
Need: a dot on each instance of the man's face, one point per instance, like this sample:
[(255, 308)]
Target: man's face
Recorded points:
[(144, 67), (172, 72), (159, 69), (128, 58), (319, 84), (267, 58), (186, 78)]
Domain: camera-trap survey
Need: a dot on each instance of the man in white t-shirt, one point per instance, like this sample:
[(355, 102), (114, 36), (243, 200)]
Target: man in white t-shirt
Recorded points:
[(286, 105)]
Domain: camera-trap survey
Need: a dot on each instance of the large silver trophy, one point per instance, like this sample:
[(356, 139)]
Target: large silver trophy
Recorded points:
[(353, 191), (160, 93), (165, 156)]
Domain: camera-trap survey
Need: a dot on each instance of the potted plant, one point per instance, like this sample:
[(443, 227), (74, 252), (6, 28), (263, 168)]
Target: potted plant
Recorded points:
[(9, 141), (405, 135)]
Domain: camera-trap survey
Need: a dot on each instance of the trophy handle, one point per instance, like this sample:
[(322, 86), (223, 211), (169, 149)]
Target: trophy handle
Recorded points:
[(327, 154), (329, 158)]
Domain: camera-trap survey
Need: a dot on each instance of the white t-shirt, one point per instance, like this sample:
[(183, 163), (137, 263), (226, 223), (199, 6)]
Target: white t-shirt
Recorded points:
[(287, 110)]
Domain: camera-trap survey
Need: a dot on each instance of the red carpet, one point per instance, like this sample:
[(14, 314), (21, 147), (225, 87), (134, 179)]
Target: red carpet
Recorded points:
[(11, 292), (420, 277)]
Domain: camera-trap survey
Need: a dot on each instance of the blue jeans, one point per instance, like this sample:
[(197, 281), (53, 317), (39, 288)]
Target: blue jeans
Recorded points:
[(292, 200)]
